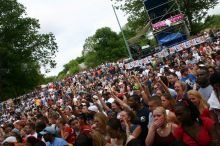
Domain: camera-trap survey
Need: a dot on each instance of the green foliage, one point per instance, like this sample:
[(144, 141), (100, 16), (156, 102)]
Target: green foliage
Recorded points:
[(22, 50), (49, 79), (137, 16), (196, 28), (196, 10), (106, 46), (61, 75), (212, 22), (72, 67), (88, 45), (92, 60)]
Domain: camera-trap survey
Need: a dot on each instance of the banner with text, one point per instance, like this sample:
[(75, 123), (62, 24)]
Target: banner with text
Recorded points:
[(165, 52)]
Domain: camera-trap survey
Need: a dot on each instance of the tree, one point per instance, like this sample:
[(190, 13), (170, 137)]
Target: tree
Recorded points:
[(106, 46), (212, 22), (91, 59), (72, 67), (23, 50), (195, 10), (49, 79), (88, 46), (137, 16)]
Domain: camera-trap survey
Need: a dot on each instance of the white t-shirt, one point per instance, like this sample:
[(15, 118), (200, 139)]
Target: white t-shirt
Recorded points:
[(145, 72), (214, 104), (213, 101)]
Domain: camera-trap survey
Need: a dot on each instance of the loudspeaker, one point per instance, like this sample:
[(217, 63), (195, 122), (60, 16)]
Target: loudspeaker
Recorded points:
[(159, 10)]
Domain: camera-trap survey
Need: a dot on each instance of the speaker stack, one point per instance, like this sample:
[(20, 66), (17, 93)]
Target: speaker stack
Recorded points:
[(168, 23)]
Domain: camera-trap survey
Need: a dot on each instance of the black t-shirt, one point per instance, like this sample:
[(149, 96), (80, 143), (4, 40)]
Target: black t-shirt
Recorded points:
[(142, 120), (40, 143)]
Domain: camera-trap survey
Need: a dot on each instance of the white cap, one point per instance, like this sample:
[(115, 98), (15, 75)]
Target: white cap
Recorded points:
[(93, 108), (95, 97), (10, 139)]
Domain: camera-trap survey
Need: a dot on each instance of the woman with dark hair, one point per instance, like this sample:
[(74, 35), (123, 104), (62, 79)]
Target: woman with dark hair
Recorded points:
[(194, 130), (127, 117), (211, 69), (168, 102), (117, 134)]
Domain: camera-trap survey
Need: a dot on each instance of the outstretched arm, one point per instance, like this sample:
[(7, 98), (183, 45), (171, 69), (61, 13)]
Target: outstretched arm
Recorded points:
[(165, 88), (123, 104), (144, 90), (105, 107)]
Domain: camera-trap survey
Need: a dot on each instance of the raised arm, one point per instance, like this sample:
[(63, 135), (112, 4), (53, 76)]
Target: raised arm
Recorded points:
[(165, 88), (62, 114), (105, 107), (144, 90), (123, 104)]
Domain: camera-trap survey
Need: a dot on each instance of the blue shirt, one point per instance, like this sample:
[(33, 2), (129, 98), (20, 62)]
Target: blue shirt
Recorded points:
[(190, 79), (57, 142)]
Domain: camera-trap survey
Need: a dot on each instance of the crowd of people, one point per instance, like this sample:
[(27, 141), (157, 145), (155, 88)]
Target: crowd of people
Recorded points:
[(172, 101)]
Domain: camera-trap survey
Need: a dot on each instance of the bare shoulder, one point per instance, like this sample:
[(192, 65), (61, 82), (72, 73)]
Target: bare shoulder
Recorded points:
[(174, 126)]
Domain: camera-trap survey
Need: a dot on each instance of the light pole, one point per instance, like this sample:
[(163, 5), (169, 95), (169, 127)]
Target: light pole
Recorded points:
[(126, 43)]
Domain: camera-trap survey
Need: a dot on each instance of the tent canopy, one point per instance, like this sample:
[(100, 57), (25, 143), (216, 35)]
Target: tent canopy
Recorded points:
[(171, 38)]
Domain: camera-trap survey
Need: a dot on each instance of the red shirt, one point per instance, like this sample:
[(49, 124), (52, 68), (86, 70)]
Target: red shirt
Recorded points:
[(86, 129), (205, 113), (202, 50), (72, 136), (203, 138)]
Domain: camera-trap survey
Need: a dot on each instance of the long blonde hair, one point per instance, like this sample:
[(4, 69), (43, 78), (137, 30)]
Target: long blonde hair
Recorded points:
[(97, 138), (202, 102), (103, 121)]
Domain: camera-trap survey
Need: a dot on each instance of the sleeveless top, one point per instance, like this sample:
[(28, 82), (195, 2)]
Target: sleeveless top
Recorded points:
[(203, 137), (163, 141)]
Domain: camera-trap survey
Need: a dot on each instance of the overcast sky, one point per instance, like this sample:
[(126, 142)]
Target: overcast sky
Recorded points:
[(72, 21)]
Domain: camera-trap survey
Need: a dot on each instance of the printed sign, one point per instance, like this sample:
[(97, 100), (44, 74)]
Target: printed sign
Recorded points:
[(164, 52), (168, 22)]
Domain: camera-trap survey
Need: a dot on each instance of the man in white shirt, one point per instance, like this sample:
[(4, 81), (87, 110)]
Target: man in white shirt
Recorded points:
[(214, 100)]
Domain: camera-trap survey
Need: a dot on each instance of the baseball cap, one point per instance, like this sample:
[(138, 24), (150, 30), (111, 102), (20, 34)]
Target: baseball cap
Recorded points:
[(93, 108), (95, 97), (48, 130), (10, 139)]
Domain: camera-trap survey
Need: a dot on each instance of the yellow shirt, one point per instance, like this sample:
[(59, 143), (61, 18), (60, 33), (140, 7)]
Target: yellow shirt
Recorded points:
[(38, 102)]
